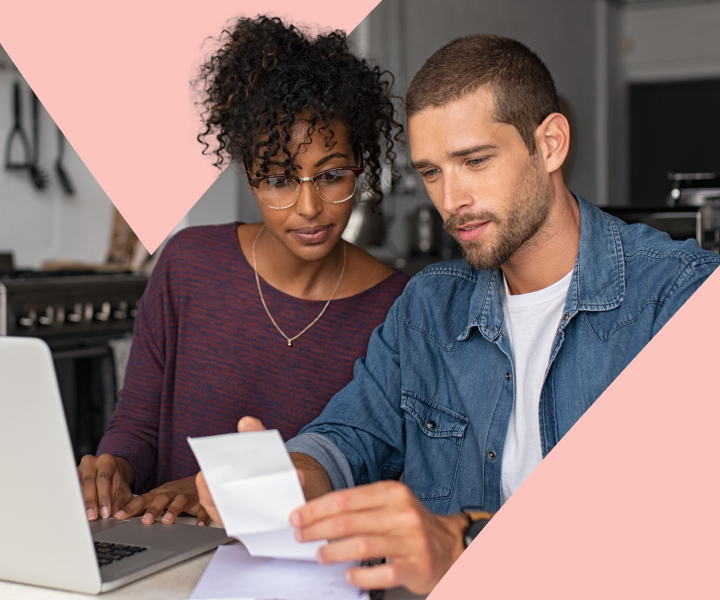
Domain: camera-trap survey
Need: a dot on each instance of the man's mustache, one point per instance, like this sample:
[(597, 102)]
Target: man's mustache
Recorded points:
[(455, 221)]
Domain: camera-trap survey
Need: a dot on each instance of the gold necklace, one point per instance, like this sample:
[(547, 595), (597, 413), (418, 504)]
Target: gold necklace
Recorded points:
[(290, 340)]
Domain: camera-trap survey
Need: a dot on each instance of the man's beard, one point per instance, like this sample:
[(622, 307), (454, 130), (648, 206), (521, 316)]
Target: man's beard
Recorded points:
[(522, 221)]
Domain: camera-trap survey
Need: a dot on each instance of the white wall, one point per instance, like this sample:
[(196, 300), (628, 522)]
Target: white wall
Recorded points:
[(40, 225), (222, 202), (672, 42)]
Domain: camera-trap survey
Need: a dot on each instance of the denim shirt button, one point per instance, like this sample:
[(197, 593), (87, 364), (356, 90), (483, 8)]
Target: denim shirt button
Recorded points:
[(431, 425), (565, 317), (489, 328), (491, 454), (508, 376)]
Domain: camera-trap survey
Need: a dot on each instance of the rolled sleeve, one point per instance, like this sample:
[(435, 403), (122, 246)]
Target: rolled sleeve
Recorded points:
[(327, 454)]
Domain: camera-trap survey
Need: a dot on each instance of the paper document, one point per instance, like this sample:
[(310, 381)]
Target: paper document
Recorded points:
[(255, 488), (233, 573)]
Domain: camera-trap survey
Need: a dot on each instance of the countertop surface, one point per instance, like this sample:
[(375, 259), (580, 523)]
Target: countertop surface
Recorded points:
[(174, 583)]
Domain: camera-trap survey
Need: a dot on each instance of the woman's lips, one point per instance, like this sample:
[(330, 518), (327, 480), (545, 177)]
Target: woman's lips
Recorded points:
[(471, 231), (312, 235)]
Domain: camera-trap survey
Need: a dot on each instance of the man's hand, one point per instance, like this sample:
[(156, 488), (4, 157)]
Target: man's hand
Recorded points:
[(105, 481), (383, 519), (378, 520), (174, 497)]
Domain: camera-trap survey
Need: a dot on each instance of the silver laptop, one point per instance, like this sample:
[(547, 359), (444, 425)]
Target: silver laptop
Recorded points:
[(45, 538)]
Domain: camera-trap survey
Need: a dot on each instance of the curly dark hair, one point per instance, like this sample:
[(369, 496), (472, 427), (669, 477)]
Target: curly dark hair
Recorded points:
[(265, 75)]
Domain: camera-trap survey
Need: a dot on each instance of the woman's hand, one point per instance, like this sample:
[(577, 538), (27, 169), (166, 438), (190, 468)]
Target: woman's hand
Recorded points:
[(174, 497), (105, 481), (206, 499)]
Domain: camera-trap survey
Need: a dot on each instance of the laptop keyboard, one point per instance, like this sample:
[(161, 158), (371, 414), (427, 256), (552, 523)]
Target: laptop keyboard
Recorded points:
[(109, 553)]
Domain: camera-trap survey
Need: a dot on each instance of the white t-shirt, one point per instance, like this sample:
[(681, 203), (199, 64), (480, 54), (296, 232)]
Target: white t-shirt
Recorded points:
[(531, 322)]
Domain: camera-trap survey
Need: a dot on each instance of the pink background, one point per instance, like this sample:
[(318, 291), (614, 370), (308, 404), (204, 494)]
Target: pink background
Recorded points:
[(623, 507)]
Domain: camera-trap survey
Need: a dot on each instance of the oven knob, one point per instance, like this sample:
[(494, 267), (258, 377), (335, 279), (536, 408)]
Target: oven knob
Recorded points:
[(134, 311), (29, 320), (60, 314), (48, 318), (122, 311), (76, 315), (105, 310), (88, 313)]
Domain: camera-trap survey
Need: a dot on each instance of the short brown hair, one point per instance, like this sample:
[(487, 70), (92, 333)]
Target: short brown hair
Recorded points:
[(524, 90)]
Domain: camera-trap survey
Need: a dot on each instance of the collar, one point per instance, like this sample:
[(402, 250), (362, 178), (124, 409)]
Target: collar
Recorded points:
[(597, 284)]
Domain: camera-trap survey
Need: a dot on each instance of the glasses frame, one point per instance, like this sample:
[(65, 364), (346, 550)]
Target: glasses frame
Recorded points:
[(256, 181)]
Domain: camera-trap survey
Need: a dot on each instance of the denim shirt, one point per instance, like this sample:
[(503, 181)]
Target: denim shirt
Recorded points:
[(433, 398)]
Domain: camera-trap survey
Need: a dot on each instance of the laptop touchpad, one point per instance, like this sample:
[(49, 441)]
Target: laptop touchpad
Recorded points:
[(104, 525)]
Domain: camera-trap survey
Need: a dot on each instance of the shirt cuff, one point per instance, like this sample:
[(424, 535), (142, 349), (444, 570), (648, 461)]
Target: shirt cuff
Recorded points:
[(327, 454)]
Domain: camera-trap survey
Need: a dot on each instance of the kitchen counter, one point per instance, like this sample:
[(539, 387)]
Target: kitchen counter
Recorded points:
[(174, 583)]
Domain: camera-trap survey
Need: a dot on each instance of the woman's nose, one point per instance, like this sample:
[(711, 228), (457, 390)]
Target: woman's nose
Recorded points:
[(309, 204)]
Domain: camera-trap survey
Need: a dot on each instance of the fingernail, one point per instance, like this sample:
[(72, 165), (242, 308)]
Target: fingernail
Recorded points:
[(201, 523), (120, 514), (104, 512), (294, 519), (298, 535), (167, 518), (147, 518), (90, 514)]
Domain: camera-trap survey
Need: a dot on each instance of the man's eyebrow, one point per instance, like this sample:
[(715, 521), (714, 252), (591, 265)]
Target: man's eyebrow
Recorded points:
[(419, 164), (325, 159), (473, 150)]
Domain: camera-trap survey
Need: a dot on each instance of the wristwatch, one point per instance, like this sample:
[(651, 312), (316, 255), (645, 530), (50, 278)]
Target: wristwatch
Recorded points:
[(477, 518)]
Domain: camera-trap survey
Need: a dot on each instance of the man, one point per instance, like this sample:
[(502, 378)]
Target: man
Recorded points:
[(482, 365)]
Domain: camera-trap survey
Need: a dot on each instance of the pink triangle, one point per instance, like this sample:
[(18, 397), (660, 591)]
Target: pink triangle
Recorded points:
[(626, 505), (115, 78)]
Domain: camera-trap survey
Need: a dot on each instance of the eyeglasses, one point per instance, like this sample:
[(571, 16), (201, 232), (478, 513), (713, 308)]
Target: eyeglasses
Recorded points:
[(283, 191)]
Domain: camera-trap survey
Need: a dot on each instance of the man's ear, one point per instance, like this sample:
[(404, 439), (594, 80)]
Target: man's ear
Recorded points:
[(552, 140)]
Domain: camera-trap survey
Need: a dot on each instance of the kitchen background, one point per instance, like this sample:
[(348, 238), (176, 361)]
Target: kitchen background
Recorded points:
[(640, 82)]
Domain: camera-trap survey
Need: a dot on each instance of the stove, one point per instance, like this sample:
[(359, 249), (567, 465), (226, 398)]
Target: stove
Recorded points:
[(62, 306), (83, 316)]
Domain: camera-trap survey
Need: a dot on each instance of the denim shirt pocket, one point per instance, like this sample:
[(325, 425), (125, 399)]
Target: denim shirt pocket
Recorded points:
[(435, 433)]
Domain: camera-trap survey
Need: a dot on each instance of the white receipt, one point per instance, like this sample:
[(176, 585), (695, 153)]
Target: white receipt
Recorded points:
[(255, 487), (233, 573)]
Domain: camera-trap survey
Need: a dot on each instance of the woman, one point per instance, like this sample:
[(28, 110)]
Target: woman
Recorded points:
[(267, 318)]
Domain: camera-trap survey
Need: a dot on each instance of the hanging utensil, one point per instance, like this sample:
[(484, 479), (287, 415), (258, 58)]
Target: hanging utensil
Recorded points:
[(17, 132), (59, 169), (38, 176)]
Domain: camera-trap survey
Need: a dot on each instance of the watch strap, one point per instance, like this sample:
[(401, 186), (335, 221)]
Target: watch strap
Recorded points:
[(477, 518)]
